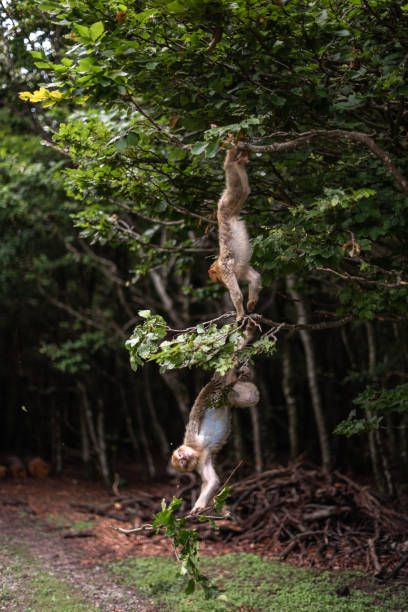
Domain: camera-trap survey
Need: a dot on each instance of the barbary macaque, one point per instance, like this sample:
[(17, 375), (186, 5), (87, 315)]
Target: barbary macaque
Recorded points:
[(233, 260), (207, 431)]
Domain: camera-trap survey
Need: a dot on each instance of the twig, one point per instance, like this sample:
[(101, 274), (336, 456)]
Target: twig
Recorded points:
[(231, 475), (373, 555), (158, 127), (398, 568), (360, 279), (134, 530), (305, 326)]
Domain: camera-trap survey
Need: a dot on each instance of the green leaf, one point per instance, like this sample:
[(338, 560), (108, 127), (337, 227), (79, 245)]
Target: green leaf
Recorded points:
[(146, 314), (211, 149), (198, 148), (96, 30), (190, 588), (81, 30)]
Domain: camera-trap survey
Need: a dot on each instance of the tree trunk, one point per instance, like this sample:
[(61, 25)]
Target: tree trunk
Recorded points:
[(290, 399), (311, 373), (257, 438), (97, 437), (179, 391), (157, 428), (403, 445), (375, 442), (237, 439), (103, 458), (128, 420), (85, 453), (56, 440), (143, 439), (348, 348)]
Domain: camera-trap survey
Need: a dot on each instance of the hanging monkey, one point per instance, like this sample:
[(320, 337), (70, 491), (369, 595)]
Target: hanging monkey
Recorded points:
[(208, 429), (233, 260)]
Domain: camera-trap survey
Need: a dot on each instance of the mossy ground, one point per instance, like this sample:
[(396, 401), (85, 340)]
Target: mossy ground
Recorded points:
[(247, 583), (25, 585)]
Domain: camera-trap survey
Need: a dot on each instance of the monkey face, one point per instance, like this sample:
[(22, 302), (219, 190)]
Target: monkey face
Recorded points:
[(184, 458), (214, 273), (243, 157)]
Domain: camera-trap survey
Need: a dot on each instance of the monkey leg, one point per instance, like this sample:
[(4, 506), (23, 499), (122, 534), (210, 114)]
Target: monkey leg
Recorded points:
[(210, 484), (254, 287), (230, 281)]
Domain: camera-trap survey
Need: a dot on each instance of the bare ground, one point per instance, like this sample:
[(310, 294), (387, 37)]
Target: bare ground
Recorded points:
[(36, 516)]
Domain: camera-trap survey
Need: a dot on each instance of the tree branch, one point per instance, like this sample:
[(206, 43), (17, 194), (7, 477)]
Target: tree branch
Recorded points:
[(360, 279), (305, 138), (305, 326)]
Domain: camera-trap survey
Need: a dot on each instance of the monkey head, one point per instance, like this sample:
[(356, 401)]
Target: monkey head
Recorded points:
[(214, 272), (184, 458), (243, 157)]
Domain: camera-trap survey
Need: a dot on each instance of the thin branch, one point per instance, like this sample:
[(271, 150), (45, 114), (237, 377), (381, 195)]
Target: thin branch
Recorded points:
[(127, 230), (360, 279), (131, 210), (305, 138), (159, 127), (306, 326)]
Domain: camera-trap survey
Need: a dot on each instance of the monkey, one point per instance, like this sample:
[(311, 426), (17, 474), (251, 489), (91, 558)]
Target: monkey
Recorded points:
[(233, 260), (207, 431)]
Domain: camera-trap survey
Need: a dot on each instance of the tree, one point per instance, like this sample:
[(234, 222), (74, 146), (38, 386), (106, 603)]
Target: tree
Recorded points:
[(316, 91)]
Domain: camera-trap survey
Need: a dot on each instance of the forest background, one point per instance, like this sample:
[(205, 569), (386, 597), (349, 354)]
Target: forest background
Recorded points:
[(110, 170)]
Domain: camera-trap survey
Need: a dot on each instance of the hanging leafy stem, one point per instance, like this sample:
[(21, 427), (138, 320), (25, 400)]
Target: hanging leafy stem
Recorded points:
[(185, 541), (205, 345)]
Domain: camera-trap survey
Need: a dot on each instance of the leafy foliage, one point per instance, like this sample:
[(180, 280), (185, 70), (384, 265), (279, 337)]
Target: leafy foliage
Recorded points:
[(207, 346), (185, 542), (379, 402)]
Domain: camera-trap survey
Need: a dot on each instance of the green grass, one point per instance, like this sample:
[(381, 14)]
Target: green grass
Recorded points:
[(50, 594), (28, 587), (61, 521), (248, 583)]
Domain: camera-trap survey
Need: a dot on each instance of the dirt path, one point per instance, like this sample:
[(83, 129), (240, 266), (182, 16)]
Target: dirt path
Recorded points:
[(29, 549)]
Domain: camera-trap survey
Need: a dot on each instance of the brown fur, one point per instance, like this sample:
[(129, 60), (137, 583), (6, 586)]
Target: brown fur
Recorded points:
[(233, 260), (197, 452)]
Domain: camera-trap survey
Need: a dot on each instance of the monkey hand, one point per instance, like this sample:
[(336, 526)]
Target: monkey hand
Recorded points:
[(196, 510), (251, 305)]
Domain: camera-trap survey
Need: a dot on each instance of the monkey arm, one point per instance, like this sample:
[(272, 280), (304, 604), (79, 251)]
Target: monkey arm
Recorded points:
[(229, 157), (209, 486)]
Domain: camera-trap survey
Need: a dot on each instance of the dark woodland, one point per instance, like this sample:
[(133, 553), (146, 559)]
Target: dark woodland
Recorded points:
[(114, 120)]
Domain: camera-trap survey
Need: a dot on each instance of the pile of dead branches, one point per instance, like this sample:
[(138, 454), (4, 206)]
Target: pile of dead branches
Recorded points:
[(295, 512), (320, 519)]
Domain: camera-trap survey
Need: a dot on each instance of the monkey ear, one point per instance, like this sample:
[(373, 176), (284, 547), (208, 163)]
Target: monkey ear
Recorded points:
[(213, 272)]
